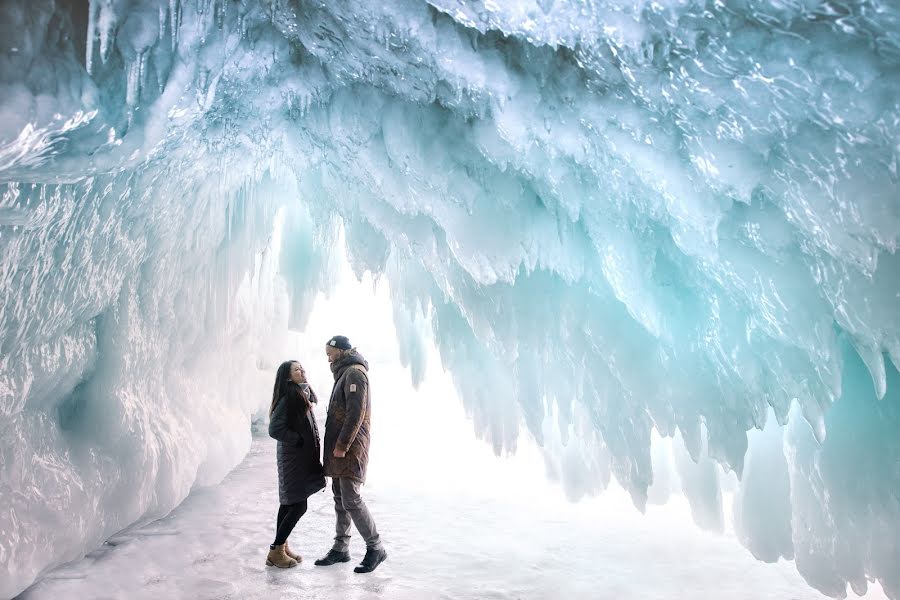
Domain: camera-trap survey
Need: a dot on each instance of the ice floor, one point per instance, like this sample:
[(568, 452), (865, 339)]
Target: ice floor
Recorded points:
[(442, 544)]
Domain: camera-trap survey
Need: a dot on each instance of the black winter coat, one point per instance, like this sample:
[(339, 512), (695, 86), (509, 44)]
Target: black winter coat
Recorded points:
[(300, 472)]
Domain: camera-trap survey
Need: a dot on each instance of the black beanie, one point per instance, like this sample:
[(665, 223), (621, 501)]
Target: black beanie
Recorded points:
[(340, 341)]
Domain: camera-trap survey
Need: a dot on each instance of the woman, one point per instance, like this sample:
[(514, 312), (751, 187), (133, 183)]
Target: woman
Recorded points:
[(300, 473)]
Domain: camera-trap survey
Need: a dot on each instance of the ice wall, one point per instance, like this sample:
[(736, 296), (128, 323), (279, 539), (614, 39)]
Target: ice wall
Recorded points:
[(138, 333), (612, 217)]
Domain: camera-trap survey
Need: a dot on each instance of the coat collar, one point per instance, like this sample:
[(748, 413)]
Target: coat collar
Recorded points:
[(338, 367)]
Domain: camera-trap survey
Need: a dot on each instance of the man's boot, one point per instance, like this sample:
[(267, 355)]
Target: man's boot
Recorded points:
[(373, 559), (293, 555), (277, 558), (333, 557)]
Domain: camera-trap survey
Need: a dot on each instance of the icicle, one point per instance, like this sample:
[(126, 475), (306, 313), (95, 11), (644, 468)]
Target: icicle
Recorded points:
[(874, 360), (220, 9), (107, 22), (142, 72), (162, 21), (135, 77), (130, 86), (91, 34), (229, 219), (173, 18), (202, 16), (202, 82)]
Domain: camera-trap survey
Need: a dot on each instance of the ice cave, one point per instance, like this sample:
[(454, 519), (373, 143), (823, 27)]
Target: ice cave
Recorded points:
[(650, 244)]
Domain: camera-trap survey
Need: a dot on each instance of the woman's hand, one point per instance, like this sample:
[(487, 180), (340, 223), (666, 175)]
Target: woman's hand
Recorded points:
[(339, 453)]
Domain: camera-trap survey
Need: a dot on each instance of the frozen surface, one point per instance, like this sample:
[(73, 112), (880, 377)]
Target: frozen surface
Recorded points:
[(617, 221)]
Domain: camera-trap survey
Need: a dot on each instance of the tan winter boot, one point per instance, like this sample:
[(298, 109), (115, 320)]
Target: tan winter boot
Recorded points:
[(277, 558), (293, 555)]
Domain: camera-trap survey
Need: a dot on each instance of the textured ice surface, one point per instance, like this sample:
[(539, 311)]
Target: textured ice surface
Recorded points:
[(613, 218)]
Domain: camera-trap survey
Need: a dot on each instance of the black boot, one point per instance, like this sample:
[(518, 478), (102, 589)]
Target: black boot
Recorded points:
[(333, 557), (373, 559)]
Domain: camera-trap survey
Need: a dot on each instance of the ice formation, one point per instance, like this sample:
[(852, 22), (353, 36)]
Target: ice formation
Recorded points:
[(612, 217)]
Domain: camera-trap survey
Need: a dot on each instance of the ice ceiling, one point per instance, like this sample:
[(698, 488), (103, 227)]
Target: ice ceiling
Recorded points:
[(612, 217)]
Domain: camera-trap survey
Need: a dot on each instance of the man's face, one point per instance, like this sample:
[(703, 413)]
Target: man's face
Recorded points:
[(332, 353)]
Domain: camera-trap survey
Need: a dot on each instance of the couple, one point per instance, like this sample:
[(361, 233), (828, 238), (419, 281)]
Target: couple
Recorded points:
[(300, 474)]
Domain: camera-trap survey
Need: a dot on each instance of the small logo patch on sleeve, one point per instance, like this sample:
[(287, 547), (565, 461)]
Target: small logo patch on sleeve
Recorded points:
[(352, 387)]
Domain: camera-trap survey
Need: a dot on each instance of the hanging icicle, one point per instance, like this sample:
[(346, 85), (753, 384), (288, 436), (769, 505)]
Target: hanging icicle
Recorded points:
[(93, 12)]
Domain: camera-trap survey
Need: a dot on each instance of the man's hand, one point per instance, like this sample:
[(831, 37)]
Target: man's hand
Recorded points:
[(339, 453)]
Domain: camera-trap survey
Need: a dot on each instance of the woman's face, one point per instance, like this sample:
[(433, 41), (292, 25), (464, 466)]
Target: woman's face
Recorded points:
[(298, 375)]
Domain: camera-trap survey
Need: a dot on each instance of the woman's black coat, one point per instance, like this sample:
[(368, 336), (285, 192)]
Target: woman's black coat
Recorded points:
[(300, 472)]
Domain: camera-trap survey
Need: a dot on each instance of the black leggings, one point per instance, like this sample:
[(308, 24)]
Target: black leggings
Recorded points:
[(288, 515)]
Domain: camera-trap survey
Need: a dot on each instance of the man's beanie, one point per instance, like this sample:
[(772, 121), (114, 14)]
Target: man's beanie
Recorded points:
[(340, 341)]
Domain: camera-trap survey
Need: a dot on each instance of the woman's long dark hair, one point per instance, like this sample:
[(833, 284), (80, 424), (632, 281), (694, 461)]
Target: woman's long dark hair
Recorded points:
[(284, 386)]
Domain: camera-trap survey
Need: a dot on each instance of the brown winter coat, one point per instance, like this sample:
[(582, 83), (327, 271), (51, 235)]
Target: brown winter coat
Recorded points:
[(347, 425)]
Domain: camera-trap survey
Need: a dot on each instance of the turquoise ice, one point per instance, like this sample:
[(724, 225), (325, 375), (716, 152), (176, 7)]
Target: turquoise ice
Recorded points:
[(613, 218)]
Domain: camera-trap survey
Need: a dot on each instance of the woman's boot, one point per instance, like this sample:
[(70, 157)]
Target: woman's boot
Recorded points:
[(290, 554), (277, 558)]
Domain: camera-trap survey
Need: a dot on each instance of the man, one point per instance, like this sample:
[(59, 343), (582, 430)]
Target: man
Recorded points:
[(346, 454)]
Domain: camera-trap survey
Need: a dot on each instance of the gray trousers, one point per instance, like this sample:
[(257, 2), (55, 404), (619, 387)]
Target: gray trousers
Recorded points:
[(349, 505)]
